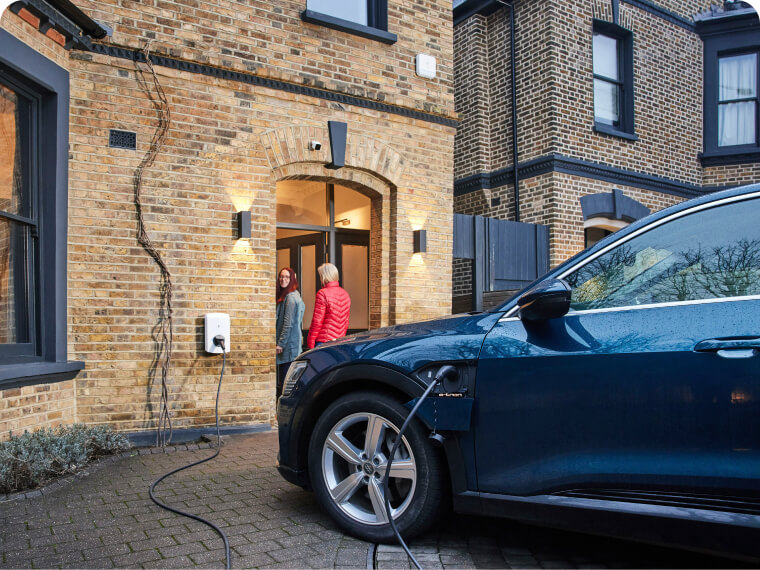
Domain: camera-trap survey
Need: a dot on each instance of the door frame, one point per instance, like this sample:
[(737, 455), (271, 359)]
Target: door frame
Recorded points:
[(330, 237)]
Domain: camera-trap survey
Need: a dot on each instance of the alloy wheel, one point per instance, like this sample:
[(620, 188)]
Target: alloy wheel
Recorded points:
[(354, 461)]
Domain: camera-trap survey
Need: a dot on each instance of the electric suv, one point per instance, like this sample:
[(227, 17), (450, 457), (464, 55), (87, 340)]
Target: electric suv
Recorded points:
[(618, 394)]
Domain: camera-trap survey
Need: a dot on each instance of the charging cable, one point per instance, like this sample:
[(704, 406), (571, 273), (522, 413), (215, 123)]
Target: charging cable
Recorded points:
[(440, 375), (218, 341)]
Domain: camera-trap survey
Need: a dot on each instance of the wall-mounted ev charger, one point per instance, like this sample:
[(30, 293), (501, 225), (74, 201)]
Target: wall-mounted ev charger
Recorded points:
[(217, 341), (216, 324)]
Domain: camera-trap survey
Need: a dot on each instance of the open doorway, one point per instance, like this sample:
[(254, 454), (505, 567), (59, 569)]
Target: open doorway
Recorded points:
[(317, 223)]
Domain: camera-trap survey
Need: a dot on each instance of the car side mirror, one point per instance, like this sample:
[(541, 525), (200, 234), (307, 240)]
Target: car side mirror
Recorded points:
[(549, 299)]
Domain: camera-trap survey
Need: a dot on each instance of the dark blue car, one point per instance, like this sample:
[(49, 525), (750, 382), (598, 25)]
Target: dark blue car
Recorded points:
[(620, 394)]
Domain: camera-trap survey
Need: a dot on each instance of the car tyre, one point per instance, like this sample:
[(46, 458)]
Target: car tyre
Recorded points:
[(346, 468)]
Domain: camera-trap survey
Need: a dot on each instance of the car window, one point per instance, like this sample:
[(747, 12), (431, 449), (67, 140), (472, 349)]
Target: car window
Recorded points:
[(709, 254)]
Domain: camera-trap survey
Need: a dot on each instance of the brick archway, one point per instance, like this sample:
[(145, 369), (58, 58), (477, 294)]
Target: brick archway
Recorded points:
[(290, 145), (372, 168)]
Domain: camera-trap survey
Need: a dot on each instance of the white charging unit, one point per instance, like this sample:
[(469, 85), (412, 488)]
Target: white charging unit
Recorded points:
[(217, 324)]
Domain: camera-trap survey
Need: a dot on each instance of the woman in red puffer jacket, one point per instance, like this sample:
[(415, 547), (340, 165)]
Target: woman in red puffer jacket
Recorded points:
[(332, 307)]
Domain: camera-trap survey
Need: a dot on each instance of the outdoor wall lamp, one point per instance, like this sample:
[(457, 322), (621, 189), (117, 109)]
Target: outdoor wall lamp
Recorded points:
[(420, 241), (244, 224)]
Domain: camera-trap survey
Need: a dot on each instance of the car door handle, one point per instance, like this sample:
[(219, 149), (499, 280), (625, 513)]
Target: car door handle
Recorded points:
[(730, 347)]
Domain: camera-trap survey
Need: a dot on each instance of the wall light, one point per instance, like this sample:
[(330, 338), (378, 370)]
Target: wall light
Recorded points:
[(244, 224), (420, 241)]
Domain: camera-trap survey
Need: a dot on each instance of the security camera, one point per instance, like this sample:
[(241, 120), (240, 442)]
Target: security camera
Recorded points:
[(315, 145)]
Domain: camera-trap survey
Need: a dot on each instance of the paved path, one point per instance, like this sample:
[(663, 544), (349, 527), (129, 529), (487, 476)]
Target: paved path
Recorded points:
[(106, 520)]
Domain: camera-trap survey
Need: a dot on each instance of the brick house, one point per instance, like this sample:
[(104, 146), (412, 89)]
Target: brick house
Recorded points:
[(313, 123), (610, 108)]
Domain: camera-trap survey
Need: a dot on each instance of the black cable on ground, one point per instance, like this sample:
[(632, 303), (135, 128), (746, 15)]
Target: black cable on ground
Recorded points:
[(386, 494), (218, 530)]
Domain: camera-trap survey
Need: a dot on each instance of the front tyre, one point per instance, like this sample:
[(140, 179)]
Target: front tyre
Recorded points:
[(348, 455)]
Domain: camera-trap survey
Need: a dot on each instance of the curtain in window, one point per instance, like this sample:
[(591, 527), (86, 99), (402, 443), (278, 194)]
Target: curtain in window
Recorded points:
[(738, 80)]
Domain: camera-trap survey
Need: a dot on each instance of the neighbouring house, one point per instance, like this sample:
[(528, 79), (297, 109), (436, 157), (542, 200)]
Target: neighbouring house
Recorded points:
[(609, 108), (263, 134)]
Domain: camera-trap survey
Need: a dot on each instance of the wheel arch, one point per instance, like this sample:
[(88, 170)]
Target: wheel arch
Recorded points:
[(341, 381)]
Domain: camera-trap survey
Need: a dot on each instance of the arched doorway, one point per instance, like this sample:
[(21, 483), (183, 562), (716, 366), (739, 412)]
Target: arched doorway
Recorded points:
[(318, 222)]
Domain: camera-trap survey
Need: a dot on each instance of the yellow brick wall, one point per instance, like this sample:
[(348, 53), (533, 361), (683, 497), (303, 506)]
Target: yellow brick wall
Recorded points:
[(31, 407), (227, 146), (268, 38)]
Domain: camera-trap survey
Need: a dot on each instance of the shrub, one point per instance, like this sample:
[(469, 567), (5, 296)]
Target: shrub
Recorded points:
[(32, 459)]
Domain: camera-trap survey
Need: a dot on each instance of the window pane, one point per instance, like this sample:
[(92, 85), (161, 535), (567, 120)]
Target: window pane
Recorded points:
[(351, 10), (352, 209), (302, 202), (711, 254), (13, 112), (606, 56), (737, 77), (14, 286), (736, 123), (606, 102)]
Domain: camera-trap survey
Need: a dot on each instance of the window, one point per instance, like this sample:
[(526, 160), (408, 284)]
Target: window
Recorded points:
[(18, 224), (731, 88), (594, 234), (710, 254), (350, 10), (34, 103), (366, 18), (613, 80), (737, 100)]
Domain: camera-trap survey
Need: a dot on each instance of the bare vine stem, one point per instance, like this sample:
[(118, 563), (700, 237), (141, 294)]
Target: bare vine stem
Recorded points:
[(164, 424)]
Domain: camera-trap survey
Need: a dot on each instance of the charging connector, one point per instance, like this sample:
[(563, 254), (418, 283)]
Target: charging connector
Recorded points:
[(444, 372)]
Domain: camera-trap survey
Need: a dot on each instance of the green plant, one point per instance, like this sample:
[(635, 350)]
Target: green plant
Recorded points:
[(33, 458)]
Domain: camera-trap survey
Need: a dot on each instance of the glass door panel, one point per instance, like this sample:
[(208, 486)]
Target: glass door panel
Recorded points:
[(303, 253), (283, 259), (308, 281), (355, 273)]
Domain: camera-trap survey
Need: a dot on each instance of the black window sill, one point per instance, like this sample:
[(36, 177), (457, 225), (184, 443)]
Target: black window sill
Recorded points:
[(612, 131), (725, 157), (30, 373), (348, 26)]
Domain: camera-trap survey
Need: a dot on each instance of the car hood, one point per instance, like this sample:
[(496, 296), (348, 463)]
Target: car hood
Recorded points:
[(410, 346)]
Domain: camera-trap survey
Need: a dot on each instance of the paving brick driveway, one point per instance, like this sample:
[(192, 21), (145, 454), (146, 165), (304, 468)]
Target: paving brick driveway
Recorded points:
[(106, 519)]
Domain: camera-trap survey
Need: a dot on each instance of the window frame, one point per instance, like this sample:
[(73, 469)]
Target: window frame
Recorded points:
[(376, 28), (48, 83), (725, 39), (624, 37), (30, 161)]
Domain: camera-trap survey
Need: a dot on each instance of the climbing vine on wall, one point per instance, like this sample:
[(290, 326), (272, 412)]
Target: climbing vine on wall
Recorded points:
[(164, 326)]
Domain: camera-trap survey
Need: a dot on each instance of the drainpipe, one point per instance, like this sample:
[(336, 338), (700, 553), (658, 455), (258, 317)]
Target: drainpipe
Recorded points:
[(512, 58)]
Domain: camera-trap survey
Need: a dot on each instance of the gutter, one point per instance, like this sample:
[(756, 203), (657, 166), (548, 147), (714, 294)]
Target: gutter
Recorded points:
[(85, 23)]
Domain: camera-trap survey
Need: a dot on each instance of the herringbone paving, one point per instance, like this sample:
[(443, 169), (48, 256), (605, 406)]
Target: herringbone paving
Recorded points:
[(106, 520)]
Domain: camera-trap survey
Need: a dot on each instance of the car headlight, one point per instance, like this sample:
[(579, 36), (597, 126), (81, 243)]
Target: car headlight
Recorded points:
[(295, 371)]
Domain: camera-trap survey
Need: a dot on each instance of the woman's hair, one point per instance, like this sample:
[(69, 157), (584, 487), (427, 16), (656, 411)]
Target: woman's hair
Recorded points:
[(328, 272), (283, 292)]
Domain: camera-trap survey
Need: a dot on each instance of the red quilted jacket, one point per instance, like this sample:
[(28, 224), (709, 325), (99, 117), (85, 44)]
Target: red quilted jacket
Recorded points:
[(332, 308)]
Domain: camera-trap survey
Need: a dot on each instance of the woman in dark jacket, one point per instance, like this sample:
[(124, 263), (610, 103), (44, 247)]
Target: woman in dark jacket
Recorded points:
[(332, 308), (290, 310)]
